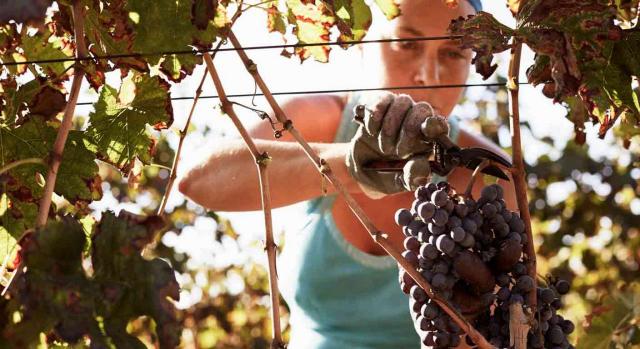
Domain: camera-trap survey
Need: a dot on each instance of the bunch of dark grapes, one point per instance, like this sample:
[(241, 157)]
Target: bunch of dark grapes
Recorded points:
[(470, 252)]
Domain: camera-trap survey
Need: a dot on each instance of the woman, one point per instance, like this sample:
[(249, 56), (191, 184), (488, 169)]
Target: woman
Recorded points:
[(341, 287)]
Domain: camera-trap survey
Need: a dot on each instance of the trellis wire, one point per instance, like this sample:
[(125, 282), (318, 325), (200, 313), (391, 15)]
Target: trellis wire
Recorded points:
[(223, 49), (364, 89)]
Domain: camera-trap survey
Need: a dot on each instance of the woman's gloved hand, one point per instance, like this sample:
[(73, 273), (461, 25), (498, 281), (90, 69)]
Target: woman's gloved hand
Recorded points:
[(392, 130)]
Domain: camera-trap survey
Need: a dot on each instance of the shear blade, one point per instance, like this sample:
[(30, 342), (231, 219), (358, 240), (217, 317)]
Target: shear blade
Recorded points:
[(472, 157)]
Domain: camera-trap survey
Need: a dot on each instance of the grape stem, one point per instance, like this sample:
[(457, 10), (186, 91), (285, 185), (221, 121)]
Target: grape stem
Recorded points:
[(377, 235), (474, 176), (518, 172), (183, 133), (262, 161)]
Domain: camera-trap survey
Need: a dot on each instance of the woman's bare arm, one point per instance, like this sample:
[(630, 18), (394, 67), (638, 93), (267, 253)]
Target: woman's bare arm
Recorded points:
[(228, 179)]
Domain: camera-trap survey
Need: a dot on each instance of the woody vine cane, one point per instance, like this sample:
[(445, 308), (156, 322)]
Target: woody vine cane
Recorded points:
[(378, 236)]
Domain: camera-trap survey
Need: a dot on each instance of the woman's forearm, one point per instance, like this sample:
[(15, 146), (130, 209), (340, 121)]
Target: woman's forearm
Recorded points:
[(228, 179)]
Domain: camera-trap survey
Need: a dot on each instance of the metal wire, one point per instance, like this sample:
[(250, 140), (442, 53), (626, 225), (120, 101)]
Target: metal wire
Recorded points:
[(391, 88), (248, 48)]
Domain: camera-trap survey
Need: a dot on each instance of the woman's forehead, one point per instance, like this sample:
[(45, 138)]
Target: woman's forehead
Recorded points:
[(429, 17)]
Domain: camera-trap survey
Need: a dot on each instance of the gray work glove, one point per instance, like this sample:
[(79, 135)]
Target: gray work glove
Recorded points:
[(392, 130)]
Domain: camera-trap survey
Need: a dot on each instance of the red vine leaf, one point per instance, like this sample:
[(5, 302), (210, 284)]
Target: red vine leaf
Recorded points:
[(485, 36)]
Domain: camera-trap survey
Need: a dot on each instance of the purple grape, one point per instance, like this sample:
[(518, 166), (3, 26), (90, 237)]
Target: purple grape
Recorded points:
[(458, 234), (422, 193), (469, 225), (489, 210), (441, 267), (429, 251), (430, 311), (418, 294), (517, 225), (439, 281), (489, 193), (468, 241), (503, 294), (547, 295), (461, 210), (403, 217), (454, 222), (440, 218), (440, 198), (426, 210), (562, 286), (445, 244), (436, 229), (411, 257), (411, 243)]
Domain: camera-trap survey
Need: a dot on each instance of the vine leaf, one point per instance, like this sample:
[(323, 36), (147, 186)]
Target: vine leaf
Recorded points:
[(78, 179), (485, 36), (118, 129), (132, 285), (43, 46), (353, 19), (311, 26), (202, 11), (580, 52), (390, 8), (614, 321), (59, 298), (109, 32), (275, 19), (153, 35)]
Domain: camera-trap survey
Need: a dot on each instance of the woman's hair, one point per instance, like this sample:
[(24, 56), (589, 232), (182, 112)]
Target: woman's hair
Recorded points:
[(477, 4)]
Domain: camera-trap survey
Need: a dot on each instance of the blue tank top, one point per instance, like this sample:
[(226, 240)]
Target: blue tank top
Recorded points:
[(339, 296)]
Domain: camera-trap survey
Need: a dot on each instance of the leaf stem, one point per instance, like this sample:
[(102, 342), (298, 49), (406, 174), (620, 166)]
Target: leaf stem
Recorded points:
[(55, 157), (17, 163), (518, 171), (378, 236), (262, 161)]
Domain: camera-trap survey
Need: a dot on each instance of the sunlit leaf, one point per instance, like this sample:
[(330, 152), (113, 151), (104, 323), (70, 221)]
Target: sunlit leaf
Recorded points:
[(118, 125)]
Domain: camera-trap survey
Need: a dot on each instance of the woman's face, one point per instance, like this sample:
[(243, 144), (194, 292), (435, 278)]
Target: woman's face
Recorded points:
[(438, 62)]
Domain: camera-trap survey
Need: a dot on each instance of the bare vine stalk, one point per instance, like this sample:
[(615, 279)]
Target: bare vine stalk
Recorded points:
[(262, 160), (173, 175), (518, 171), (378, 236), (55, 157)]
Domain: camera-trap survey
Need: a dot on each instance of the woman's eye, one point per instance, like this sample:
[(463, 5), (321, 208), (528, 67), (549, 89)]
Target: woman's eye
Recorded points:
[(406, 45), (455, 54)]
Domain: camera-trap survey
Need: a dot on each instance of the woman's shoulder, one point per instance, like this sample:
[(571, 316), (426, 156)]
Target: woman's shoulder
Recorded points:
[(316, 116)]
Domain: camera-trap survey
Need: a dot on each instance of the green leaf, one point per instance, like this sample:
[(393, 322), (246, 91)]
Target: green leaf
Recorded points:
[(109, 31), (353, 19), (311, 25), (202, 11), (154, 35), (35, 97), (390, 8), (43, 46), (134, 286), (118, 129), (612, 323)]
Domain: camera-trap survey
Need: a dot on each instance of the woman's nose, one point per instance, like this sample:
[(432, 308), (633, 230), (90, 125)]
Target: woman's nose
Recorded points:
[(427, 74)]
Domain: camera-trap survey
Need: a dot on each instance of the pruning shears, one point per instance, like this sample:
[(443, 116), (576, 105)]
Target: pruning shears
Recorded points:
[(447, 156)]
